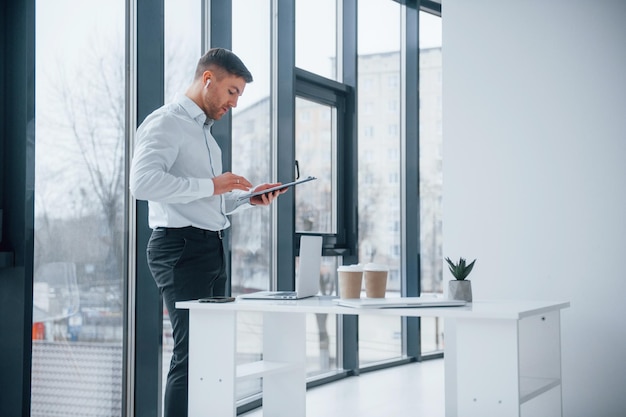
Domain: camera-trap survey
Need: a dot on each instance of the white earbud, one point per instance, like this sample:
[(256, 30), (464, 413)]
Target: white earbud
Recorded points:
[(207, 83)]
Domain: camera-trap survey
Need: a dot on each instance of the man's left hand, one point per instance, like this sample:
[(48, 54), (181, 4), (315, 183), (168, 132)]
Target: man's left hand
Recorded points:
[(266, 199)]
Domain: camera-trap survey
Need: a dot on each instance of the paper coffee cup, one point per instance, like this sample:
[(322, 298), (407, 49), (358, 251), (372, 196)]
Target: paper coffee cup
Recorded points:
[(375, 276), (350, 280)]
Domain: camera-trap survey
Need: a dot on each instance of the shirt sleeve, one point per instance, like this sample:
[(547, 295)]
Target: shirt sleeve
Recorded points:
[(150, 179), (235, 205)]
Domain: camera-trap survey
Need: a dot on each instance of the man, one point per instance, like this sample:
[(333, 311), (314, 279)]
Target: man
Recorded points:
[(177, 167)]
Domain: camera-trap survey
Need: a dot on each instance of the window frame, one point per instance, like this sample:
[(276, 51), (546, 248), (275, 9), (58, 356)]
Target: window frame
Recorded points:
[(328, 92)]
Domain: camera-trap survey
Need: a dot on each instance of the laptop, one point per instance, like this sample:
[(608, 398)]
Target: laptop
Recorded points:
[(399, 302), (307, 278)]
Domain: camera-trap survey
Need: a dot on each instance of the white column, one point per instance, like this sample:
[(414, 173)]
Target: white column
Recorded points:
[(212, 350), (284, 341)]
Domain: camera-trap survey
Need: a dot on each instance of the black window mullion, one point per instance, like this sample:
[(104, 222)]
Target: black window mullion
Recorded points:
[(411, 230), (285, 133), (350, 141), (17, 168), (349, 325), (220, 28), (148, 303), (220, 36)]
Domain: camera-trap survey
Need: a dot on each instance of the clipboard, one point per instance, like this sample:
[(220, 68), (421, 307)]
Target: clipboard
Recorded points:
[(278, 187)]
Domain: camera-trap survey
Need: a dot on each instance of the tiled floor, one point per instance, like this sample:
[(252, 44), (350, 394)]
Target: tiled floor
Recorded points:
[(416, 389)]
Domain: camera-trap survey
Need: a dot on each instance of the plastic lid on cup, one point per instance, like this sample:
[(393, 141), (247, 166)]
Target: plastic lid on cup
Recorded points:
[(350, 268), (375, 267)]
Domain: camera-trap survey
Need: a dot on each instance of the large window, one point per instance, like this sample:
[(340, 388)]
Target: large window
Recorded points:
[(430, 174), (80, 256), (316, 37), (320, 118), (251, 231), (183, 37), (315, 152), (316, 213), (381, 179), (252, 146), (343, 119), (380, 173)]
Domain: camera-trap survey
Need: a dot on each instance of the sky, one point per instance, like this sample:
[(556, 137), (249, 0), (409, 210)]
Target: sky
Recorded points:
[(63, 26), (69, 33)]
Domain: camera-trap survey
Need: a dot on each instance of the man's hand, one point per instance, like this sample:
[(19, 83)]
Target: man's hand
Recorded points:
[(228, 181), (266, 199)]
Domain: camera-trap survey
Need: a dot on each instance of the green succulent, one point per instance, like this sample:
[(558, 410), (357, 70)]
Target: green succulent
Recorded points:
[(460, 270)]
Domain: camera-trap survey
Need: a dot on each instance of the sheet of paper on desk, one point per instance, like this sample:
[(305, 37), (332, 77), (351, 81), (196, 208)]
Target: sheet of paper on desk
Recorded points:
[(278, 187), (399, 302)]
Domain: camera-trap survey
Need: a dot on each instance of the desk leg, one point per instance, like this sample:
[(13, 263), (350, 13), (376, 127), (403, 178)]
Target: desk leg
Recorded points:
[(212, 350), (450, 368), (482, 360), (284, 340)]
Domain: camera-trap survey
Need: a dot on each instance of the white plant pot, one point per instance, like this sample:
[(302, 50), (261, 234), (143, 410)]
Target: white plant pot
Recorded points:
[(460, 290)]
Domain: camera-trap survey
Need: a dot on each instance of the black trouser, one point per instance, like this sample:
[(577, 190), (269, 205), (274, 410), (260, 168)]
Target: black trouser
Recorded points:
[(187, 264)]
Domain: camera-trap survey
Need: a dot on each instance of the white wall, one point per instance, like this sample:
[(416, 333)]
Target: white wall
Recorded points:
[(535, 172)]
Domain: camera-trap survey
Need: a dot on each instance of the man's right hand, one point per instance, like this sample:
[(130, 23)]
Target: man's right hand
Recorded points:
[(228, 181)]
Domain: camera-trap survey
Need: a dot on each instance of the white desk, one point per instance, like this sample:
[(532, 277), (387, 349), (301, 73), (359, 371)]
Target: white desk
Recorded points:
[(501, 358)]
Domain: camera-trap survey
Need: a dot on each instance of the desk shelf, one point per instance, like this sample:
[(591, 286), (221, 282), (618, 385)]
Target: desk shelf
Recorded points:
[(528, 371), (262, 369), (531, 387), (540, 358)]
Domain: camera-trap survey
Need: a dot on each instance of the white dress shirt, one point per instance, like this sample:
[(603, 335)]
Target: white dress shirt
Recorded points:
[(174, 161)]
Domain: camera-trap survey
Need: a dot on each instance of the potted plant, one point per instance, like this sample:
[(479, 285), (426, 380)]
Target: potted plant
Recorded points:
[(460, 288)]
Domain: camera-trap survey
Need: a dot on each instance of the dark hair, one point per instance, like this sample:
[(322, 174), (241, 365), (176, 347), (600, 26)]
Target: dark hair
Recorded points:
[(224, 59)]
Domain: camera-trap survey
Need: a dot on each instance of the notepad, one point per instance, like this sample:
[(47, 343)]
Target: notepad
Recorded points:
[(399, 302)]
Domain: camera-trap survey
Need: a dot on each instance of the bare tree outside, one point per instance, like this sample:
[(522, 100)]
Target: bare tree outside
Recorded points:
[(79, 265), (80, 184)]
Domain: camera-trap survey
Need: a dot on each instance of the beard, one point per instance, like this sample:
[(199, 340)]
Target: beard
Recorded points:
[(215, 112)]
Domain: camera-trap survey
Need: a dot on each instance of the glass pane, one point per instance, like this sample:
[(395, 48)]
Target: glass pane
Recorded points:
[(251, 231), (321, 334), (379, 178), (183, 35), (316, 37), (249, 349), (182, 51), (321, 343), (315, 144), (430, 173), (80, 262)]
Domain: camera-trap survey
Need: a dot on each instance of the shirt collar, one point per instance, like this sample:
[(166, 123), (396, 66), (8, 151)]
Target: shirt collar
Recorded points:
[(194, 111)]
